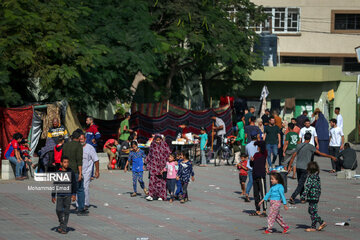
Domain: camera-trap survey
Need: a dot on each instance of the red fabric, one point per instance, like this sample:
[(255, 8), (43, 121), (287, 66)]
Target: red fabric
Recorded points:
[(24, 150), (156, 161), (225, 101), (57, 153), (13, 120)]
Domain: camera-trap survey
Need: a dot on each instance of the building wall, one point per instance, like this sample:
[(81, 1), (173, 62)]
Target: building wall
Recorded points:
[(315, 38)]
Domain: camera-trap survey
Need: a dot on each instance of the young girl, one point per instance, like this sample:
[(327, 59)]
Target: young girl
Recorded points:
[(171, 168), (184, 173), (312, 194), (276, 195)]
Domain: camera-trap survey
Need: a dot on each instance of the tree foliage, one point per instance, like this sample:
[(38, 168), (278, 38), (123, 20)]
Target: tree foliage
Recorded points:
[(90, 51)]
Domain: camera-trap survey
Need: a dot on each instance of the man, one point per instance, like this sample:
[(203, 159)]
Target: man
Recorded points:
[(266, 117), (272, 140), (346, 159), (92, 133), (296, 128), (249, 115), (278, 120), (250, 149), (309, 129), (304, 152), (12, 153), (183, 130), (124, 152), (57, 130), (90, 159), (251, 129), (300, 121), (74, 151), (339, 118), (291, 141), (219, 130), (124, 130), (336, 142)]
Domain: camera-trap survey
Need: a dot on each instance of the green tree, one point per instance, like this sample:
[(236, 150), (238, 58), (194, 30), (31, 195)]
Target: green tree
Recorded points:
[(201, 39)]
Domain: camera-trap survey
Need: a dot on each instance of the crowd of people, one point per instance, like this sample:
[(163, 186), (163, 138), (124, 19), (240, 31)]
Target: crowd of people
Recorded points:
[(258, 143)]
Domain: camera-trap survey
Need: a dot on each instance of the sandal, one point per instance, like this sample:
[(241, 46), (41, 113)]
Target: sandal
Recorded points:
[(322, 226), (291, 201), (247, 199), (310, 230), (255, 214), (332, 171), (263, 214)]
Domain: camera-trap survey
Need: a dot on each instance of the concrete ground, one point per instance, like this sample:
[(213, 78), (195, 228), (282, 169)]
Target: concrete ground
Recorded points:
[(216, 210)]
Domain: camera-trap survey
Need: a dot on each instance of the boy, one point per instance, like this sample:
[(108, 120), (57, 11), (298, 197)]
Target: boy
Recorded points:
[(185, 172), (243, 172), (203, 143), (108, 146), (63, 198), (136, 156), (179, 192), (292, 139)]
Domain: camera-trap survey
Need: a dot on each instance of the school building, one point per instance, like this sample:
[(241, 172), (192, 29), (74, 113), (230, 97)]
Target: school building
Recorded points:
[(312, 60)]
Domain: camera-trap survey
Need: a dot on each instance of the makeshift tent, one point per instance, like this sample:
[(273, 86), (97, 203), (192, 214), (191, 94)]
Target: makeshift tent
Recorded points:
[(167, 123), (13, 120)]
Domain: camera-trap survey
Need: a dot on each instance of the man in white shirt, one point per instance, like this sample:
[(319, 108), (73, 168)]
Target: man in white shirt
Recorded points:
[(90, 159), (309, 129), (250, 149), (220, 130), (339, 118), (336, 142)]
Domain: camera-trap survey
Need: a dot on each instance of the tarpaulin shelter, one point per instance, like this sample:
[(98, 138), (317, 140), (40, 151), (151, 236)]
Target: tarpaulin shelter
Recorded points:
[(13, 120), (154, 118)]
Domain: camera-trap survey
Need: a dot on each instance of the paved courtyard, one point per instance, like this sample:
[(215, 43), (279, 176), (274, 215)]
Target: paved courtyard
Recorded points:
[(216, 211)]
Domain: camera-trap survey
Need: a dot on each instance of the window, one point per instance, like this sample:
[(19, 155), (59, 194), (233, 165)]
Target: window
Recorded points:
[(281, 20), (306, 60), (345, 21), (351, 65)]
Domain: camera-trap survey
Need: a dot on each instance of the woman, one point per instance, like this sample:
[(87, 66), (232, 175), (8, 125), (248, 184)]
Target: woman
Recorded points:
[(322, 130), (259, 170), (259, 123), (156, 161), (241, 133), (315, 117)]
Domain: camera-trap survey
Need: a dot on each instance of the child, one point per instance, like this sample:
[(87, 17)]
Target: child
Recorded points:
[(108, 148), (276, 195), (25, 155), (136, 156), (184, 173), (179, 192), (171, 168), (63, 199), (312, 194), (203, 143), (237, 150), (243, 172)]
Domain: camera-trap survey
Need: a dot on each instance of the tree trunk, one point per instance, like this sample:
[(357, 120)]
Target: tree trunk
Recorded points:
[(139, 77), (205, 87)]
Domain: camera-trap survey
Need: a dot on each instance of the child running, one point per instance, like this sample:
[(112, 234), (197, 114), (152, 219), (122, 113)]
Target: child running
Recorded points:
[(136, 156), (276, 195), (184, 173), (171, 168), (243, 172), (63, 199), (312, 194)]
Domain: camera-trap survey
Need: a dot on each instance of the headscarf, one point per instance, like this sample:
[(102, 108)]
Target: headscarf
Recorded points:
[(158, 155), (322, 127), (241, 134)]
